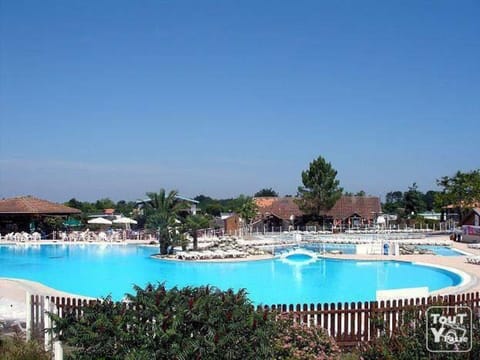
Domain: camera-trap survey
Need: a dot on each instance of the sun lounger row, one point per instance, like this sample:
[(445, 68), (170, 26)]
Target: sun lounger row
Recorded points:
[(73, 236), (208, 255), (358, 237), (474, 246), (474, 259), (379, 239), (22, 236)]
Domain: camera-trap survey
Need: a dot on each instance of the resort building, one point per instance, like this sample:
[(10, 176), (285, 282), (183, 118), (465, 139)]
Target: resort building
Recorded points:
[(431, 215), (284, 213), (23, 213), (454, 213), (471, 226), (472, 218), (276, 213), (355, 211), (107, 214), (230, 223)]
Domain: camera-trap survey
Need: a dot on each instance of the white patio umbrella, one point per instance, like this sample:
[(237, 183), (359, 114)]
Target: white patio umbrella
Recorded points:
[(100, 221), (125, 220)]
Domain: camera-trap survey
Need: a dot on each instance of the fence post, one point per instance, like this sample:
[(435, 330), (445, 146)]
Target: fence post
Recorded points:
[(28, 304), (48, 324), (57, 350), (373, 320)]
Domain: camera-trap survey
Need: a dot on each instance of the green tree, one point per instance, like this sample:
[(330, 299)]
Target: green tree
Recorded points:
[(103, 204), (48, 224), (86, 207), (266, 193), (393, 197), (124, 207), (413, 200), (359, 193), (161, 215), (74, 203), (429, 200), (210, 206), (461, 190), (247, 209), (179, 238), (320, 190), (194, 223), (394, 203), (214, 209)]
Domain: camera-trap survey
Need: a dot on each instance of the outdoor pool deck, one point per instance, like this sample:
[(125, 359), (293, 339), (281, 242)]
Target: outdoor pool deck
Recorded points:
[(454, 262), (13, 292)]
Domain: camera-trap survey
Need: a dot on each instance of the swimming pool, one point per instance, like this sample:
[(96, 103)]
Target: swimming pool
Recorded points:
[(320, 248), (99, 270), (442, 250)]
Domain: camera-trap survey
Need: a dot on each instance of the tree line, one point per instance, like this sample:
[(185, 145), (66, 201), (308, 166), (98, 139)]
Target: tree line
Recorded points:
[(410, 202), (460, 191), (321, 190), (168, 216)]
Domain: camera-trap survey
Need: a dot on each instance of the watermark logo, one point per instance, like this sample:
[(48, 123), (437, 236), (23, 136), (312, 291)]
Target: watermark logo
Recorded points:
[(449, 329)]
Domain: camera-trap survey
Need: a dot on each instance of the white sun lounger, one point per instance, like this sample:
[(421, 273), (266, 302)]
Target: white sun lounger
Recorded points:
[(474, 259), (187, 255)]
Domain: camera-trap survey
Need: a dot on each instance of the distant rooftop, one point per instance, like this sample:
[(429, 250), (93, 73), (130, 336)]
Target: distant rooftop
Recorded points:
[(30, 205), (346, 206)]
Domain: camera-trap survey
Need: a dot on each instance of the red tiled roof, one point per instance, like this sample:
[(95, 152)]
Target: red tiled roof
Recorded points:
[(281, 207), (365, 206), (463, 204), (33, 205)]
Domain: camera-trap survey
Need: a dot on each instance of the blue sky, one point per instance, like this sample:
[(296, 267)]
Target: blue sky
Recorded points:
[(117, 98)]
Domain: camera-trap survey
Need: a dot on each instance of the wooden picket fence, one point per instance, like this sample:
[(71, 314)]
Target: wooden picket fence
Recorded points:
[(353, 323), (348, 323)]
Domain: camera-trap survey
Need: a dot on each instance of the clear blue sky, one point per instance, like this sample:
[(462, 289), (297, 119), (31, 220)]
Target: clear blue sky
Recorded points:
[(116, 98)]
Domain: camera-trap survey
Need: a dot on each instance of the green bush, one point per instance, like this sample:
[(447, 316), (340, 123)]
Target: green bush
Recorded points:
[(409, 343), (299, 342), (17, 349), (188, 323)]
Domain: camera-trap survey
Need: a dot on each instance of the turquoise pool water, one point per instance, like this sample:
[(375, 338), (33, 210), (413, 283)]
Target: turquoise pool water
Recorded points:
[(442, 250), (99, 270), (320, 247)]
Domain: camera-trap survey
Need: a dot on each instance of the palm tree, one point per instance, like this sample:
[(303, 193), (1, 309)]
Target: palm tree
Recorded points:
[(161, 215), (193, 223)]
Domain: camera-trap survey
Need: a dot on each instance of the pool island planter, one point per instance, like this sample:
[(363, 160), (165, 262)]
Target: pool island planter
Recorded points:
[(349, 323)]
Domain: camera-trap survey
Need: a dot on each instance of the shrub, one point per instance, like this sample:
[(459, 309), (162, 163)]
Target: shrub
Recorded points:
[(298, 341), (409, 342), (17, 349), (188, 323)]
